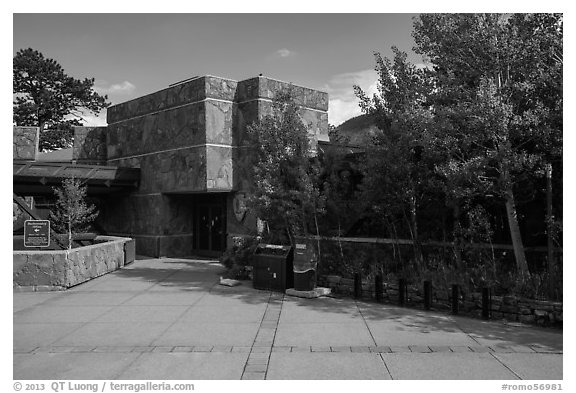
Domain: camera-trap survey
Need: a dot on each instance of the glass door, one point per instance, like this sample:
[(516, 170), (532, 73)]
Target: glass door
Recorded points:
[(209, 229)]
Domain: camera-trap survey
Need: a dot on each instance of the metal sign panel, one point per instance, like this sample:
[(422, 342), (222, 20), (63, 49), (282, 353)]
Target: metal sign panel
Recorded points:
[(36, 233)]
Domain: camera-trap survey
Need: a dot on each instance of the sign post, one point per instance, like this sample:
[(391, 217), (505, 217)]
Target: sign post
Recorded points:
[(36, 233)]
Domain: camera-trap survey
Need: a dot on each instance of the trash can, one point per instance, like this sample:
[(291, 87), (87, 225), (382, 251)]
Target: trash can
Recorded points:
[(272, 267), (305, 262)]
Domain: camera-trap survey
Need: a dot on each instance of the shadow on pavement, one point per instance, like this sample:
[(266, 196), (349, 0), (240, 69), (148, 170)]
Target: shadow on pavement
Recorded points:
[(203, 275)]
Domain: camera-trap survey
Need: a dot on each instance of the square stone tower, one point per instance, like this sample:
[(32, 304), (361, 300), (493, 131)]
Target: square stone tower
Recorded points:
[(189, 142)]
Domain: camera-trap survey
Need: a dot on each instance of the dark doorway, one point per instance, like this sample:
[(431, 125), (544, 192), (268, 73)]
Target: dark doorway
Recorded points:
[(209, 224)]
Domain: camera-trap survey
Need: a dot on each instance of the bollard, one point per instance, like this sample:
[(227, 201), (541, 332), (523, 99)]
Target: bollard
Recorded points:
[(401, 291), (357, 286), (379, 288), (427, 294), (486, 303), (455, 296)]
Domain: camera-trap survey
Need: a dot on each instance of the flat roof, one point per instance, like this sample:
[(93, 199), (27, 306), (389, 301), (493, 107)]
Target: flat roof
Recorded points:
[(38, 177)]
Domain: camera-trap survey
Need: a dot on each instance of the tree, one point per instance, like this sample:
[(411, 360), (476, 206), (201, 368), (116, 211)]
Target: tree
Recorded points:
[(497, 101), (46, 97), (285, 173), (71, 214), (397, 170)]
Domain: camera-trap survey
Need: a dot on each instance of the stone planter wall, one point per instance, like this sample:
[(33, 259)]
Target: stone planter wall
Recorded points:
[(510, 308), (62, 269)]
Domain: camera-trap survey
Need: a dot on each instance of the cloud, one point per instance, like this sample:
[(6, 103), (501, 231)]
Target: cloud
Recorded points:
[(343, 103), (95, 121), (123, 88), (90, 120), (284, 52)]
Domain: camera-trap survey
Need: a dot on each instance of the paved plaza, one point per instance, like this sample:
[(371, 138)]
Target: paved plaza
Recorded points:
[(169, 319)]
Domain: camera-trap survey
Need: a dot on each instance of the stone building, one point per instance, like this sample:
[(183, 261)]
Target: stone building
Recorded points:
[(188, 142)]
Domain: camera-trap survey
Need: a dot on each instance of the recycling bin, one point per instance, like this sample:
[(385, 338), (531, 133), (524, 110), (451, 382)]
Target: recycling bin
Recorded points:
[(305, 263)]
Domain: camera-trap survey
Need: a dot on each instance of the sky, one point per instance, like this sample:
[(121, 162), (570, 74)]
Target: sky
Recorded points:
[(131, 55)]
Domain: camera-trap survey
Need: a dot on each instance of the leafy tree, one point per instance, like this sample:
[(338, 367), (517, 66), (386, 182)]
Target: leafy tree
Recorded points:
[(46, 97), (497, 102), (71, 214), (286, 193), (398, 174)]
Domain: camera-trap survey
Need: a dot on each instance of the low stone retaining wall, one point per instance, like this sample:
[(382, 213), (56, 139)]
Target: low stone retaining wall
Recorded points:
[(510, 308), (62, 269)]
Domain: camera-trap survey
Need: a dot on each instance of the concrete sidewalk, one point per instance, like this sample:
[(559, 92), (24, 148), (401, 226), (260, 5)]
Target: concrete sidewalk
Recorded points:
[(169, 319)]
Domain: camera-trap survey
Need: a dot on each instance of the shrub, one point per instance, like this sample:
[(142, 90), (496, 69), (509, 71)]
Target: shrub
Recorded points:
[(238, 258)]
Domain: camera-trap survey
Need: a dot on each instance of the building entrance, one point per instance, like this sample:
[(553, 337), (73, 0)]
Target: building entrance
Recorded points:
[(210, 224)]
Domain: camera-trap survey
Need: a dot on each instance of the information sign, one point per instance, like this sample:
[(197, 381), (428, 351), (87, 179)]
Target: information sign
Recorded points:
[(36, 233)]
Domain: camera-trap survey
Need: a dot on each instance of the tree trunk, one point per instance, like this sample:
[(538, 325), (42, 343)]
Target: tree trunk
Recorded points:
[(416, 239), (457, 238), (340, 241), (69, 234), (317, 237), (519, 254), (549, 223)]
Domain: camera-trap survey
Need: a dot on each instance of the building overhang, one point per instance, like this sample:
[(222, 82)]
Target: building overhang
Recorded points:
[(37, 178)]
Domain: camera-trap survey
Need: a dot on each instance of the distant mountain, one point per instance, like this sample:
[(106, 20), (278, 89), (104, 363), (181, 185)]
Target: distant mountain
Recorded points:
[(357, 131)]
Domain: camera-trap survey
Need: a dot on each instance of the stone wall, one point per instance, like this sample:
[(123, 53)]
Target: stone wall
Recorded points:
[(509, 308), (192, 91), (25, 142), (161, 224), (190, 139), (180, 137), (267, 88), (58, 270), (90, 145)]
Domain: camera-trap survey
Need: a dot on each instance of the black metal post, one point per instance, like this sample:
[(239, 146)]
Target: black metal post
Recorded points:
[(486, 303), (401, 291), (427, 294), (357, 286), (455, 296), (379, 288)]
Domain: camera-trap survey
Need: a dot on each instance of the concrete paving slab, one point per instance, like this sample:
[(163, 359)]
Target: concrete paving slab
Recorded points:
[(323, 334), (248, 313), (416, 321), (399, 334), (190, 366), (491, 333), (232, 299), (70, 366), (186, 333), (326, 366), (416, 366), (60, 314), (240, 348), (114, 285), (24, 300), (180, 298), (79, 298), (533, 365), (181, 286), (254, 376), (115, 334), (377, 312), (143, 314), (41, 334), (319, 311)]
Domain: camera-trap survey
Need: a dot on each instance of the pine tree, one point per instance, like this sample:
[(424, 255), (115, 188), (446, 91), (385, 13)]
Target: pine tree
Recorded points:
[(46, 97)]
